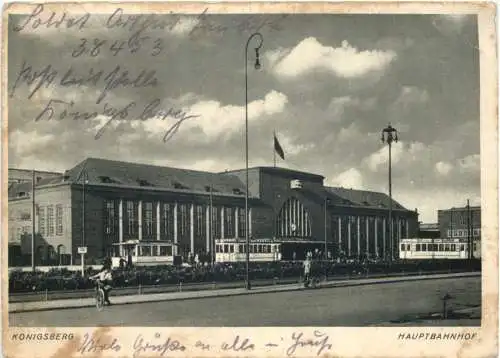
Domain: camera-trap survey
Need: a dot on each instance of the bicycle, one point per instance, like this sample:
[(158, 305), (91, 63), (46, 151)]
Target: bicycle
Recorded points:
[(99, 294), (311, 282)]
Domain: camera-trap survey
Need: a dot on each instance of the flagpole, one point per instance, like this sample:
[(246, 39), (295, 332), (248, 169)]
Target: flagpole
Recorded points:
[(274, 149)]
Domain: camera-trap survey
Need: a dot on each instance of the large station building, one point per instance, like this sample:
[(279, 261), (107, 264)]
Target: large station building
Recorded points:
[(103, 204)]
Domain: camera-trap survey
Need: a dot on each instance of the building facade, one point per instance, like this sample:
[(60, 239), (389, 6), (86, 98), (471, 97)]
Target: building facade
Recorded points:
[(103, 204), (462, 224), (429, 231)]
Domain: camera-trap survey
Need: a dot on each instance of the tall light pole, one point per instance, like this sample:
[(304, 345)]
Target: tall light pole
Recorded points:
[(210, 226), (326, 244), (33, 218), (85, 181), (389, 135), (257, 66)]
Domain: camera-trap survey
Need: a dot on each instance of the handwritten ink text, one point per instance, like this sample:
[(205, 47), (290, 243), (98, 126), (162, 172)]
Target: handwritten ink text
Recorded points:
[(117, 78), (54, 20), (142, 345), (238, 346), (320, 341), (91, 345)]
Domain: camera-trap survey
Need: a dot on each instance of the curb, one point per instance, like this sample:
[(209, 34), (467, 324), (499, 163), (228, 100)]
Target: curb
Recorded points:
[(242, 291)]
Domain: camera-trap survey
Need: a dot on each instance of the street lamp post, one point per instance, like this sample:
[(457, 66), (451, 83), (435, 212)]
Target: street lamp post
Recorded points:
[(326, 244), (33, 218), (257, 66), (83, 218), (389, 135)]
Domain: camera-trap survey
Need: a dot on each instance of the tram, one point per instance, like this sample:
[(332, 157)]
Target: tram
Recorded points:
[(142, 253), (234, 250), (147, 253), (423, 248)]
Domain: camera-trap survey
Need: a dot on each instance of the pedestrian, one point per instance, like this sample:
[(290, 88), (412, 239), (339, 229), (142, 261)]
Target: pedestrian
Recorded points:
[(307, 269)]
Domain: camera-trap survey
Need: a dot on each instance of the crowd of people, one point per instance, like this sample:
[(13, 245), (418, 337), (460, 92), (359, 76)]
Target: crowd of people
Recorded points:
[(133, 276)]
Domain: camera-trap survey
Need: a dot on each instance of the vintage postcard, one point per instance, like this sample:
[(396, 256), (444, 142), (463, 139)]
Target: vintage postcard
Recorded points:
[(249, 180)]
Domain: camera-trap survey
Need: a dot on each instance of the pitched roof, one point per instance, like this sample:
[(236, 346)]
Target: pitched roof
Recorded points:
[(22, 189), (365, 198), (104, 171), (282, 171), (26, 174)]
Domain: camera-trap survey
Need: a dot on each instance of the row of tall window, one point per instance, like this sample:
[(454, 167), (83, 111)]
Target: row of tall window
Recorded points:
[(233, 219), (357, 234), (463, 232), (50, 220), (293, 220), (460, 217)]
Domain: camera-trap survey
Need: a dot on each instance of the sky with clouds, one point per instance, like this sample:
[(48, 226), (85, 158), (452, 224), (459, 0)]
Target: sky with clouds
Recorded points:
[(328, 85)]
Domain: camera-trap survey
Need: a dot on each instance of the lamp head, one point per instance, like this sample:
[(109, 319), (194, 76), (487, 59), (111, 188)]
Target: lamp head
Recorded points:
[(257, 59)]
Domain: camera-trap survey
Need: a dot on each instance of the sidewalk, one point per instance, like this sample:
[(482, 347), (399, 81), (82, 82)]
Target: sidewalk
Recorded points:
[(119, 300)]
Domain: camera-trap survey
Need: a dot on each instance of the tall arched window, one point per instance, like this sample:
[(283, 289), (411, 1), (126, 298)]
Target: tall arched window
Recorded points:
[(293, 220)]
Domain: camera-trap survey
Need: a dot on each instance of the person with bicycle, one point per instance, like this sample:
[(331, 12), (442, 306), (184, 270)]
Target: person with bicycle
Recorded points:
[(105, 279)]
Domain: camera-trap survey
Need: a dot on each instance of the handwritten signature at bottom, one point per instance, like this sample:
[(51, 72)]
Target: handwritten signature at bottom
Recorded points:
[(62, 110), (320, 340)]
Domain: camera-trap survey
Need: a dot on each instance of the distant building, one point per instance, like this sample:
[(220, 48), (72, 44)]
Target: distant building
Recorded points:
[(457, 230), (26, 176), (429, 231), (107, 205), (462, 223)]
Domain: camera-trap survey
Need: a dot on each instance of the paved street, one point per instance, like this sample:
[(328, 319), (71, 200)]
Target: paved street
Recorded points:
[(342, 306)]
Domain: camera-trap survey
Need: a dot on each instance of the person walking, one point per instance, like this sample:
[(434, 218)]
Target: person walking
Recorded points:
[(307, 270)]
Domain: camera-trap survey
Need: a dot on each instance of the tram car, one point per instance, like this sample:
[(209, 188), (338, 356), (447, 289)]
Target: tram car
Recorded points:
[(145, 253), (142, 253), (227, 250), (425, 249)]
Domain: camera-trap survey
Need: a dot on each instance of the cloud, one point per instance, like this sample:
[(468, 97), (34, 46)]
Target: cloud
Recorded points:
[(351, 178), (428, 200), (449, 24), (345, 61), (410, 95), (212, 118), (338, 105), (291, 147), (24, 147), (381, 157), (470, 163), (443, 168)]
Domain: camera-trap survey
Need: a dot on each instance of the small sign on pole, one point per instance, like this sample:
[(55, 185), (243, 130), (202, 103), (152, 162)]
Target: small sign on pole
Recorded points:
[(82, 250)]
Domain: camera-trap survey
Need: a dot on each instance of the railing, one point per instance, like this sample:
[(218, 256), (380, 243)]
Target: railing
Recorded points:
[(46, 295)]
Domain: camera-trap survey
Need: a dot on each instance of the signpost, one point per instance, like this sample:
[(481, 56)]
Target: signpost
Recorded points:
[(82, 250)]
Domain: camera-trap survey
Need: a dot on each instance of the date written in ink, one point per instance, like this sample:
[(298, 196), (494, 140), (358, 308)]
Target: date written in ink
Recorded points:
[(94, 46)]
